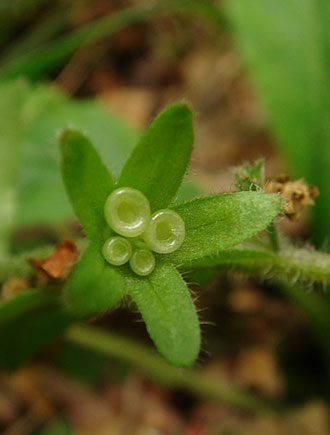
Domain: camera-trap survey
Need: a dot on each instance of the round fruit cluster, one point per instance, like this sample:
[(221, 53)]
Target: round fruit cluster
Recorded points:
[(127, 212)]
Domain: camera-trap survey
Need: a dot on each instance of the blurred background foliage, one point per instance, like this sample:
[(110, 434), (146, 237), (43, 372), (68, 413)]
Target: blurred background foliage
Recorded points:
[(257, 73)]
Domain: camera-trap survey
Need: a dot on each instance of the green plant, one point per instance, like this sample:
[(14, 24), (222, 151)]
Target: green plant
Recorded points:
[(215, 233), (284, 48), (211, 224), (215, 236), (31, 116)]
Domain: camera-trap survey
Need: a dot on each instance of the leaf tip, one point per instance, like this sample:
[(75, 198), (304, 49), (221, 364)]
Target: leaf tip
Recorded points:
[(182, 108), (67, 136)]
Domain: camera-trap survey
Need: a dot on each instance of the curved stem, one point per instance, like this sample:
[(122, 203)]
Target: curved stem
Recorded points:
[(157, 369)]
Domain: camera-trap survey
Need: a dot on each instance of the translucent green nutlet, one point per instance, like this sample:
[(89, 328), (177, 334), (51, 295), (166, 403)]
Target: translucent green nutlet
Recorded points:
[(142, 262), (165, 232), (127, 211), (117, 250)]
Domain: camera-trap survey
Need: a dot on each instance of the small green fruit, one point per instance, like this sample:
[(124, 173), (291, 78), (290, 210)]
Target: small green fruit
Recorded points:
[(117, 250), (127, 211), (165, 232), (142, 262)]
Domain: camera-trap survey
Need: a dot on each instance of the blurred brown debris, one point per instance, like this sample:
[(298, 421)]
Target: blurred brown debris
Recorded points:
[(13, 286), (60, 263)]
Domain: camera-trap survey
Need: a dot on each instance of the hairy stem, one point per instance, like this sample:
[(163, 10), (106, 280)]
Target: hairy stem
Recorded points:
[(291, 263), (161, 372)]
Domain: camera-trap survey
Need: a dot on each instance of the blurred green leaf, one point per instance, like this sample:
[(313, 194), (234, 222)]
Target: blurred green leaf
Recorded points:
[(44, 59), (15, 13), (10, 128), (91, 364), (222, 221), (22, 338), (286, 49), (169, 313), (57, 426), (160, 159), (49, 24), (88, 182), (42, 197), (24, 301), (27, 322), (94, 285), (16, 8)]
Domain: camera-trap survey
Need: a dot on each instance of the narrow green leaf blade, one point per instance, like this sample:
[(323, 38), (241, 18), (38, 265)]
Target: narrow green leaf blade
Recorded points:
[(87, 181), (42, 60), (222, 221), (12, 95), (169, 313), (158, 163), (94, 285), (290, 68)]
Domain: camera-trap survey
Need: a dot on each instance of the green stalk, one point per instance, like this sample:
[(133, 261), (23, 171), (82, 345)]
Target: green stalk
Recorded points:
[(291, 264), (161, 372), (273, 236)]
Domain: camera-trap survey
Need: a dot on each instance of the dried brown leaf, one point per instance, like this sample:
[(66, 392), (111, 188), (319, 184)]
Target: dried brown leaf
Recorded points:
[(60, 263)]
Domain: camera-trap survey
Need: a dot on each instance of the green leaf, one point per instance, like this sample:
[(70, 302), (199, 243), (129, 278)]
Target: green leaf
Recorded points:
[(160, 159), (41, 194), (87, 181), (20, 339), (169, 313), (27, 322), (51, 55), (58, 425), (91, 367), (285, 47), (10, 129), (23, 302), (94, 285), (53, 22), (222, 221)]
